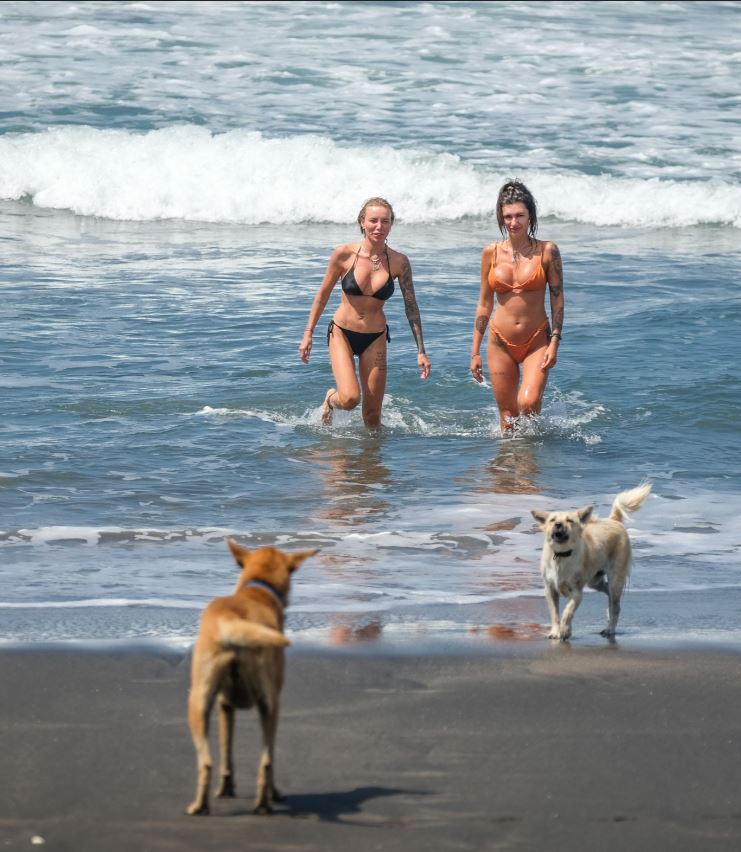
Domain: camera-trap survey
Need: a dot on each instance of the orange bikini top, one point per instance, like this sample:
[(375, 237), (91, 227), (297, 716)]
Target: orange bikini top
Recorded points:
[(536, 281)]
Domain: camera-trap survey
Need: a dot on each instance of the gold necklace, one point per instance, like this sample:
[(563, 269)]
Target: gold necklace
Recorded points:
[(375, 260)]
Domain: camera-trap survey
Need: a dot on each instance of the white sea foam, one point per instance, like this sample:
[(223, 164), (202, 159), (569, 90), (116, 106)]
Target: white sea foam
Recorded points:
[(187, 172), (92, 536), (564, 415), (84, 603)]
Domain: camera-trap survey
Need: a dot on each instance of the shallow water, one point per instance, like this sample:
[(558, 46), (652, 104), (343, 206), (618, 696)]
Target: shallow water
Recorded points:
[(162, 242)]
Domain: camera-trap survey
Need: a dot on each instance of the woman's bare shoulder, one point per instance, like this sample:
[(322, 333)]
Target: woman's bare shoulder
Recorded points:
[(398, 262), (488, 251), (395, 254), (345, 249), (341, 254), (549, 249)]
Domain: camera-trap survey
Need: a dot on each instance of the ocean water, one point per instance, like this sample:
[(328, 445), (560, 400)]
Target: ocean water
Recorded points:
[(173, 177)]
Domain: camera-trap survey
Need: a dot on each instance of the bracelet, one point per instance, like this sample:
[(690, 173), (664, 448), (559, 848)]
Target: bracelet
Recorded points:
[(556, 334)]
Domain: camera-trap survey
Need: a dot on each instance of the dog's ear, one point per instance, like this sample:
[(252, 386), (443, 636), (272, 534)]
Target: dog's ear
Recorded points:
[(298, 558), (238, 552), (540, 517), (584, 514)]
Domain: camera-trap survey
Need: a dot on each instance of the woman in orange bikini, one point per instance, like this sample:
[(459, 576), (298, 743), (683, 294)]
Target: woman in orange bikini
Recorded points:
[(517, 270), (366, 271)]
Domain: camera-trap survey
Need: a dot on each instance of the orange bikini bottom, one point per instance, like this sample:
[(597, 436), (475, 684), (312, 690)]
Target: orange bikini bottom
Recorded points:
[(520, 351)]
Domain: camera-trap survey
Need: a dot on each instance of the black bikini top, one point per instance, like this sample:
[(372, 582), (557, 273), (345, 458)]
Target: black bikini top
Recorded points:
[(350, 285)]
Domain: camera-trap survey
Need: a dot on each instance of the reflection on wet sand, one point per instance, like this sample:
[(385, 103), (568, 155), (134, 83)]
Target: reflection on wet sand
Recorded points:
[(513, 617), (507, 632), (355, 480), (346, 634)]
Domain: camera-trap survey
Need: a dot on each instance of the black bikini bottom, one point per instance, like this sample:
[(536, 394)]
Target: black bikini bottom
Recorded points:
[(359, 340)]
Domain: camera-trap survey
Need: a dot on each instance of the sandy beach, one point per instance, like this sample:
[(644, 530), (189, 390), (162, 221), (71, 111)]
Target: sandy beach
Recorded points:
[(554, 747)]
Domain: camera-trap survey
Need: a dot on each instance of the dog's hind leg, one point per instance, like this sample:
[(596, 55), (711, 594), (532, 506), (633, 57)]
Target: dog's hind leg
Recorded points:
[(204, 685), (226, 754), (266, 791)]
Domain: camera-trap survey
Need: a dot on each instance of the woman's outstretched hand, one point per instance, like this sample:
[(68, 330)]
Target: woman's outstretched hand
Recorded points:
[(551, 355), (477, 369), (304, 348), (424, 365)]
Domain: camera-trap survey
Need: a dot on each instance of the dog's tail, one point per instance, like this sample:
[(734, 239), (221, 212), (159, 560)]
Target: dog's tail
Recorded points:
[(247, 634), (629, 501)]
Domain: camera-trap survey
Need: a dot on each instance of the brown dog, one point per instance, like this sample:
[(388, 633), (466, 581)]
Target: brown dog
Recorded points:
[(239, 658), (581, 550)]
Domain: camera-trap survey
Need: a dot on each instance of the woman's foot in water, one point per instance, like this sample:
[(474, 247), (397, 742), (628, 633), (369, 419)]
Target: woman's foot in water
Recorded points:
[(327, 408)]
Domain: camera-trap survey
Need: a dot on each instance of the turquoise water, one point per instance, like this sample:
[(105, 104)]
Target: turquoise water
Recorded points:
[(172, 182)]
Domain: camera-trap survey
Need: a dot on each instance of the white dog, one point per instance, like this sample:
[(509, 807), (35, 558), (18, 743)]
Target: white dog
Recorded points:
[(581, 550)]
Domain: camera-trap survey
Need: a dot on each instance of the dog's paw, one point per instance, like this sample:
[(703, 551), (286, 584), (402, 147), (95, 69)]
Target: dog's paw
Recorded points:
[(607, 633), (198, 809), (263, 809)]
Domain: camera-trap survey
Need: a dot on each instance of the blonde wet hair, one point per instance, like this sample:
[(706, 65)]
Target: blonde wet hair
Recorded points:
[(374, 202)]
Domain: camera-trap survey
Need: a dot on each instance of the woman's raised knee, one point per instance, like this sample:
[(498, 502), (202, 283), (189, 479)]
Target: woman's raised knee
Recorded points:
[(345, 401)]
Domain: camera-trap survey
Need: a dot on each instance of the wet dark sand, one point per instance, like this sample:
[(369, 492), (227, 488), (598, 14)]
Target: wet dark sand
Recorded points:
[(552, 747)]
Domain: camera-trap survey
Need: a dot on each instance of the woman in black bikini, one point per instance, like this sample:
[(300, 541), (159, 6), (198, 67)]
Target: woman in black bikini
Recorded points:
[(366, 271)]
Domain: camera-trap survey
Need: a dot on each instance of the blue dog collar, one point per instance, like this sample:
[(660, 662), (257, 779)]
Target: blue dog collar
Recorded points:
[(261, 584)]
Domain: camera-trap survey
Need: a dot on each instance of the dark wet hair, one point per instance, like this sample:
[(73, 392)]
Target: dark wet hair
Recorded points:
[(374, 202), (515, 192)]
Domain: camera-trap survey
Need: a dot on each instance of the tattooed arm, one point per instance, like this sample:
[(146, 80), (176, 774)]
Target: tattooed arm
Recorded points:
[(552, 257), (412, 312), (483, 312)]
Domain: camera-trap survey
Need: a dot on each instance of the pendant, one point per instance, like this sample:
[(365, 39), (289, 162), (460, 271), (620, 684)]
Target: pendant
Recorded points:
[(375, 262)]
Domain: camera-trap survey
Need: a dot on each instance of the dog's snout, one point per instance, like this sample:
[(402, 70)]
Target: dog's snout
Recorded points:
[(560, 531)]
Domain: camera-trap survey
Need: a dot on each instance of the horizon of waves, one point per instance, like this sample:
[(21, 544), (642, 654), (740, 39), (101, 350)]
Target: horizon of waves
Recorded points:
[(189, 173)]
